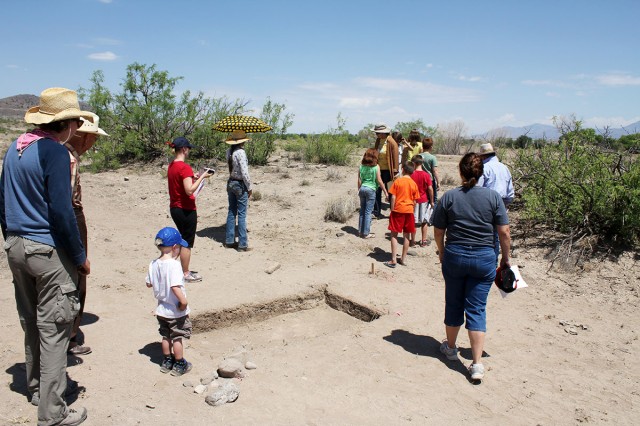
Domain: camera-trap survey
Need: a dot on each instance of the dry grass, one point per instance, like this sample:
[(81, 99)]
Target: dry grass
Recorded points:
[(340, 209)]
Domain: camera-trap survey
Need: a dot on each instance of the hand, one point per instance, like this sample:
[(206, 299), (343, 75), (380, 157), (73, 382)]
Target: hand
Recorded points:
[(182, 306), (250, 192), (85, 268), (504, 262)]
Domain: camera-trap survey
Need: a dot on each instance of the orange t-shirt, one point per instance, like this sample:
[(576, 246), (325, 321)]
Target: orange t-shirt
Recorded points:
[(406, 193)]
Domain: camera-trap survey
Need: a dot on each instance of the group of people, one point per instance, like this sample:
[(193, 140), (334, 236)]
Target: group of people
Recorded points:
[(45, 232), (472, 217)]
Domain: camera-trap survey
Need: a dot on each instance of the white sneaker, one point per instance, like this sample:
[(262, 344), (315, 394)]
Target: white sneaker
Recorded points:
[(477, 371), (450, 353)]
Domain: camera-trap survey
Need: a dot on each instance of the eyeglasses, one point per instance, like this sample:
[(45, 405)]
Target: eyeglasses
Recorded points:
[(78, 122)]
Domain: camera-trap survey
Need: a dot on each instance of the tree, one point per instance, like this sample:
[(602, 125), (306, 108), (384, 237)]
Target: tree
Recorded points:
[(406, 127), (450, 137), (262, 144)]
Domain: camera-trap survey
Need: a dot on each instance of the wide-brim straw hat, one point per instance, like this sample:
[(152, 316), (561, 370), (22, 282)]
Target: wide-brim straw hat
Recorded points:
[(381, 128), (56, 104), (92, 127), (486, 149), (238, 136)]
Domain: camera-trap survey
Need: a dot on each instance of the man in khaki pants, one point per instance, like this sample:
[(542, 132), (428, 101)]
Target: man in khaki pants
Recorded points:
[(44, 248)]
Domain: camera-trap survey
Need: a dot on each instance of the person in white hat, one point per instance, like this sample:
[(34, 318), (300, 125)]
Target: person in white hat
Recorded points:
[(44, 249), (81, 142), (239, 190), (388, 158)]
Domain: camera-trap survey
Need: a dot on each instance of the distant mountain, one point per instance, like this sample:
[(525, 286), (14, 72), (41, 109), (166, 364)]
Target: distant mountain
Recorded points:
[(16, 106), (545, 131)]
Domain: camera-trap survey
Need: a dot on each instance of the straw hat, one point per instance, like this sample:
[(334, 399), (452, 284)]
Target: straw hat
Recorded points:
[(238, 136), (486, 149), (56, 104), (92, 127), (381, 128)]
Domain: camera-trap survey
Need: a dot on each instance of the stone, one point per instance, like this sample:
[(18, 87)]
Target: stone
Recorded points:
[(216, 398), (187, 384), (200, 389), (231, 390), (250, 365), (208, 378), (230, 367), (271, 269)]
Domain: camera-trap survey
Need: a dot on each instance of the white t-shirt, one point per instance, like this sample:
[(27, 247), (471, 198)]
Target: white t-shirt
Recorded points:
[(164, 274)]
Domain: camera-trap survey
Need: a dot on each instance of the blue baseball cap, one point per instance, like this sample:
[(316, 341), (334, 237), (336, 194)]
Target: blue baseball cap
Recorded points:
[(168, 237)]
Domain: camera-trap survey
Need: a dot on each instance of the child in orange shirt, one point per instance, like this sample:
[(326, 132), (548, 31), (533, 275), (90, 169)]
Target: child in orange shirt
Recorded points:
[(403, 195)]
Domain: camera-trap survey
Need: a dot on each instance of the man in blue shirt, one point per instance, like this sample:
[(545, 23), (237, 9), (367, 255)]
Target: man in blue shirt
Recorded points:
[(44, 249)]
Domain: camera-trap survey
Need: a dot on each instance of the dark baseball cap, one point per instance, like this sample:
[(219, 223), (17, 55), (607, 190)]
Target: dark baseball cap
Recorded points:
[(181, 142)]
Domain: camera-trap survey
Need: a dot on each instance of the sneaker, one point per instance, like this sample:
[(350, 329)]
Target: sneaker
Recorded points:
[(477, 371), (230, 245), (450, 353), (74, 417), (79, 350), (167, 364), (192, 278), (35, 398), (244, 248), (181, 367)]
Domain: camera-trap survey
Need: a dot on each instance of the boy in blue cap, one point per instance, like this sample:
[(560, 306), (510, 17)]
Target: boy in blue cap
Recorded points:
[(166, 278)]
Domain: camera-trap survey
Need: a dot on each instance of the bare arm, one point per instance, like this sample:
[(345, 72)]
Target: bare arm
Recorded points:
[(438, 235), (190, 185), (436, 177), (504, 235), (392, 201), (182, 305)]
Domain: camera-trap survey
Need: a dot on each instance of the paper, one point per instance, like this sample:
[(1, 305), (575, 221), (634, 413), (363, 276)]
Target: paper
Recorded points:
[(520, 282), (199, 188)]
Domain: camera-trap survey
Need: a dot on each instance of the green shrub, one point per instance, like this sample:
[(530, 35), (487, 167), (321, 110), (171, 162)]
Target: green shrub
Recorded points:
[(328, 148), (340, 209), (577, 188)]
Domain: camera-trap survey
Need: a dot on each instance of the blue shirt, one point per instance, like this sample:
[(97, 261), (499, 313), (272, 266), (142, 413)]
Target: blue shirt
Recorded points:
[(497, 176), (35, 197)]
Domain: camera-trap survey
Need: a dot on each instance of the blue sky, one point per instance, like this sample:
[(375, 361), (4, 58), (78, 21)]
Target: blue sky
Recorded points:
[(487, 63)]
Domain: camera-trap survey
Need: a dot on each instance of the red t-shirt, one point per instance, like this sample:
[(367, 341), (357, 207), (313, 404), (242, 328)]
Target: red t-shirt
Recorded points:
[(178, 171), (423, 180)]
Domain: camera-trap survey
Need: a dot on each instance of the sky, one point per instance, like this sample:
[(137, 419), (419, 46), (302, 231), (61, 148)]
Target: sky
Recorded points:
[(487, 63)]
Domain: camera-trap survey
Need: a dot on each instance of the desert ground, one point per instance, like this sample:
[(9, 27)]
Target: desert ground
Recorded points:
[(560, 352)]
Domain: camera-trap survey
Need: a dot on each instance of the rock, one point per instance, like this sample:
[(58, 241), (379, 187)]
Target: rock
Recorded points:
[(231, 367), (216, 398), (187, 384), (250, 365), (412, 252), (339, 234), (231, 390), (208, 378), (126, 179), (200, 389), (271, 269)]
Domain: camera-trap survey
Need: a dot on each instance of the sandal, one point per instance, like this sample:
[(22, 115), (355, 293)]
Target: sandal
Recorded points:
[(390, 264), (79, 350), (192, 277), (370, 235), (401, 262)]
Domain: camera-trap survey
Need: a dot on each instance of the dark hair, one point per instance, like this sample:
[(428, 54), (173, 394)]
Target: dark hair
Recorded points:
[(427, 143), (370, 157), (397, 136), (417, 159), (231, 151), (471, 168), (414, 136), (407, 167), (56, 126)]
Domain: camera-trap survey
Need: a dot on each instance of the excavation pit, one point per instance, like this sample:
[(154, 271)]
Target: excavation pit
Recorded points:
[(255, 312)]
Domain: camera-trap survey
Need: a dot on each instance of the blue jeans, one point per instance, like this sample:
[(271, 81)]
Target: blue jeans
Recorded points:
[(367, 199), (238, 201), (385, 175), (468, 275)]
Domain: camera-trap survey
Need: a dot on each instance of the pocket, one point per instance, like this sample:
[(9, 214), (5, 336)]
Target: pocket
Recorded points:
[(10, 242), (33, 247), (67, 304)]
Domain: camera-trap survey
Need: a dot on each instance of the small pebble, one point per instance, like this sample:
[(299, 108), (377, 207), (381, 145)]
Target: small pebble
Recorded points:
[(250, 365), (188, 384), (200, 389)]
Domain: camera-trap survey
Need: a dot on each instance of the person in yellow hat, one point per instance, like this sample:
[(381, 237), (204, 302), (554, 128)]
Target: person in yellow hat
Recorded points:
[(44, 249), (238, 190), (81, 142)]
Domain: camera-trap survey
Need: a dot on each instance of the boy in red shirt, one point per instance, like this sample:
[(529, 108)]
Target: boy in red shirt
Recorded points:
[(424, 205), (403, 195)]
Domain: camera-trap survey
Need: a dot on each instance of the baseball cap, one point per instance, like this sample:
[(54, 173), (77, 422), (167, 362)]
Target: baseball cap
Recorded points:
[(181, 142), (168, 237)]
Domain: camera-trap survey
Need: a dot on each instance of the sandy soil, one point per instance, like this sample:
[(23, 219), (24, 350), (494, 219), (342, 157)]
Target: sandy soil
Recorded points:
[(559, 352)]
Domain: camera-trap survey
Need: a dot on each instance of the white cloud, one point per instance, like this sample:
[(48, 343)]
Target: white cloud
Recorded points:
[(618, 79), (552, 83), (552, 94), (364, 102), (107, 41), (614, 122), (420, 91), (465, 78), (105, 1), (103, 56), (12, 66), (507, 118)]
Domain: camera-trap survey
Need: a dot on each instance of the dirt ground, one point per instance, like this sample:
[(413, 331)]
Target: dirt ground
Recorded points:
[(562, 351)]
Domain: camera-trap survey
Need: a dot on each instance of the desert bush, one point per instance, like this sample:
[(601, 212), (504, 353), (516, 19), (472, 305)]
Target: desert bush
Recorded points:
[(333, 175), (305, 183), (448, 180), (340, 209), (579, 189), (256, 195)]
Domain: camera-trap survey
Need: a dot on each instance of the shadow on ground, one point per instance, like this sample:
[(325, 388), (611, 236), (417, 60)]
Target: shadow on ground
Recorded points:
[(153, 351), (18, 383), (216, 233)]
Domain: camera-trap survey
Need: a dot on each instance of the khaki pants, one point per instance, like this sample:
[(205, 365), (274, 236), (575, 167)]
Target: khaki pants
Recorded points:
[(45, 282)]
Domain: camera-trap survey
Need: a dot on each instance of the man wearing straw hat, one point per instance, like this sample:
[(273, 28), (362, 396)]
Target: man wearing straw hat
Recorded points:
[(44, 248), (81, 142)]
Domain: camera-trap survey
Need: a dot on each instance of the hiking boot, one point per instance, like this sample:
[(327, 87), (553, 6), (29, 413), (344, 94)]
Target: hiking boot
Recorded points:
[(74, 417), (181, 367), (244, 248), (167, 364), (35, 398), (450, 353), (477, 371)]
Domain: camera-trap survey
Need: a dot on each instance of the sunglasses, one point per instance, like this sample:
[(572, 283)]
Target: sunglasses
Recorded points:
[(78, 122)]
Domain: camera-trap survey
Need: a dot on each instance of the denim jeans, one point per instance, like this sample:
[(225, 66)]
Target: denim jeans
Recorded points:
[(468, 275), (385, 175), (367, 199), (238, 201)]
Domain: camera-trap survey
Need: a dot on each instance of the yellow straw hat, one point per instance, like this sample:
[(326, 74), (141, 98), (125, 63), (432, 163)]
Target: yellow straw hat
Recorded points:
[(56, 104)]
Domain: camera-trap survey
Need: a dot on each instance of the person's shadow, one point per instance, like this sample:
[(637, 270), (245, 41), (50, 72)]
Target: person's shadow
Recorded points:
[(153, 351), (350, 230), (379, 255), (18, 383), (428, 346), (216, 233)]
